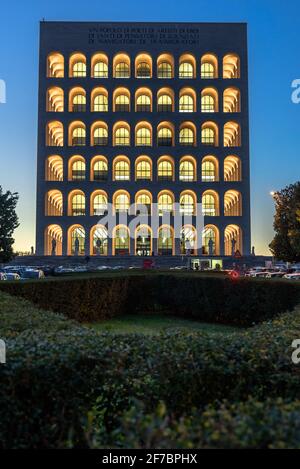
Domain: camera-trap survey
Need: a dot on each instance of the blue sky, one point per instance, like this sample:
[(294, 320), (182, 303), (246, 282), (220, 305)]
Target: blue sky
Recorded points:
[(274, 62)]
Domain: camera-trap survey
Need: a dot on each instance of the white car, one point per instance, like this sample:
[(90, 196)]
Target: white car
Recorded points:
[(3, 276), (12, 276), (292, 276), (275, 274)]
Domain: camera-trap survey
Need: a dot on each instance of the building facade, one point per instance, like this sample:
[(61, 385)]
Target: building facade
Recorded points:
[(149, 114)]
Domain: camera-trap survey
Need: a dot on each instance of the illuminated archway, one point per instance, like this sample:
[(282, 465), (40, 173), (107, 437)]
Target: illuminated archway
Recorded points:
[(233, 240), (53, 240)]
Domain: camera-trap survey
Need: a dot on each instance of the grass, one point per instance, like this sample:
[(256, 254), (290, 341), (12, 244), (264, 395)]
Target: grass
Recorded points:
[(156, 324)]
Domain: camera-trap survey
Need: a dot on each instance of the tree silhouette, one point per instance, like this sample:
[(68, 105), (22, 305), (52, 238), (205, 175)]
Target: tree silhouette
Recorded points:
[(8, 223)]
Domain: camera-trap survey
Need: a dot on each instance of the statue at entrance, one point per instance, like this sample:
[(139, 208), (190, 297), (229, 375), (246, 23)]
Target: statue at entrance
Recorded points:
[(98, 246), (233, 244), (53, 247), (211, 247), (253, 251), (76, 247)]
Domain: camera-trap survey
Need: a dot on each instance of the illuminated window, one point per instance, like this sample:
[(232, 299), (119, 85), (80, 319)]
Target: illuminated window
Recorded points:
[(122, 203), (53, 233), (164, 137), (186, 136), (122, 103), (78, 205), (143, 137), (208, 171), (99, 66), (143, 203), (143, 103), (100, 103), (164, 103), (77, 241), (186, 103), (233, 240), (209, 134), (207, 104), (99, 205), (121, 241), (164, 70), (143, 170), (100, 241), (187, 204), (188, 237), (78, 170), (100, 171), (122, 171), (122, 136), (209, 205), (121, 66), (100, 136), (78, 136), (143, 241), (186, 171), (165, 171), (143, 70), (165, 241), (210, 241), (165, 204), (209, 66)]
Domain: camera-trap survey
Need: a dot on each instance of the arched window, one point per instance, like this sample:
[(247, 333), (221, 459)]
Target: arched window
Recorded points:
[(121, 134), (187, 66), (187, 101), (77, 203), (232, 134), (165, 100), (231, 100), (143, 169), (121, 240), (121, 66), (188, 240), (165, 241), (143, 202), (54, 134), (187, 134), (54, 168), (99, 238), (232, 169), (188, 204), (121, 99), (143, 100), (99, 169), (77, 134), (187, 169), (232, 204), (210, 241), (209, 66), (54, 203), (53, 240), (231, 66), (55, 100), (98, 203), (99, 66), (233, 240), (121, 202), (77, 168), (209, 169), (143, 135), (77, 67), (165, 135), (209, 134), (121, 169), (165, 203), (210, 204), (165, 66), (165, 169), (76, 241), (143, 241), (99, 100), (77, 100), (143, 66), (99, 134), (209, 100), (55, 65)]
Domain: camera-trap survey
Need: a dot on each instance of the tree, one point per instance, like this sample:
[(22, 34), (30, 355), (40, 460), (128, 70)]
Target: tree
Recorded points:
[(286, 243), (8, 223)]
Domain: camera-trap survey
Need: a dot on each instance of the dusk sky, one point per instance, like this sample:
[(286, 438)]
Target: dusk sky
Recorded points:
[(274, 62)]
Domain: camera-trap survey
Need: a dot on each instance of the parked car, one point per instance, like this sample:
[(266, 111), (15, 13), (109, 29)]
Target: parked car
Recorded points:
[(275, 274), (12, 276), (295, 276), (32, 273), (3, 276)]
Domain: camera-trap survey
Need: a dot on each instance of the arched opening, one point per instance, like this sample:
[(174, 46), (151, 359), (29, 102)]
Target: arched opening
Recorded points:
[(210, 204), (210, 241), (121, 168), (99, 100), (187, 100), (143, 241), (54, 168), (54, 134), (76, 203), (187, 66), (121, 134), (121, 201), (99, 66), (121, 66), (165, 66), (233, 240), (143, 100), (143, 134), (165, 240), (77, 65), (99, 134), (232, 100), (99, 241), (121, 100), (77, 134), (99, 169), (188, 240), (187, 134), (210, 134), (77, 168), (210, 169), (53, 240), (143, 168), (209, 66), (55, 99), (99, 203), (143, 202), (165, 169), (143, 66), (232, 134), (55, 65), (165, 202), (76, 241), (121, 241), (188, 203), (232, 169), (54, 203), (188, 169), (165, 100), (231, 66), (232, 203), (77, 100), (209, 100), (165, 134)]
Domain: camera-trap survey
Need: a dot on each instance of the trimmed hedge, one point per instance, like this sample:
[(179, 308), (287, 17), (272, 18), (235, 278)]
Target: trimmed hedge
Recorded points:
[(55, 375), (217, 299)]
